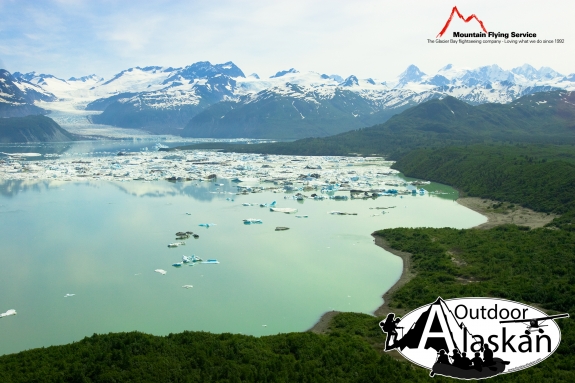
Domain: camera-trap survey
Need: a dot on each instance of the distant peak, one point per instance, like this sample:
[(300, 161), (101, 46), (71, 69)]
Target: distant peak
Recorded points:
[(350, 81), (411, 74), (86, 78), (284, 72), (254, 75)]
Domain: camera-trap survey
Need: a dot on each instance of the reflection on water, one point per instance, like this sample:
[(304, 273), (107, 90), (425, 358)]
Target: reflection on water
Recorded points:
[(102, 242)]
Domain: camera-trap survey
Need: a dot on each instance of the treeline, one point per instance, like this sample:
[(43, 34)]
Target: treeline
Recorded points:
[(202, 357)]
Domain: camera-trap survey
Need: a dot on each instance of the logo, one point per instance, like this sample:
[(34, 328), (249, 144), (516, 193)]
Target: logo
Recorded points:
[(468, 19), (480, 34), (473, 338)]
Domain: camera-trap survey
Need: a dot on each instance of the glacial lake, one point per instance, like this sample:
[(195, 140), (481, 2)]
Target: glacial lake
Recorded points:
[(102, 241)]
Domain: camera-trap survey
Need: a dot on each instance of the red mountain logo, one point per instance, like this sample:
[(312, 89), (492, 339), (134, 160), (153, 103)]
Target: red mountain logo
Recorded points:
[(468, 19)]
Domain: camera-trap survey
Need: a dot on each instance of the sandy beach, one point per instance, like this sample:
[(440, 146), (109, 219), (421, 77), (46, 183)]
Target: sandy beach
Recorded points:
[(505, 213)]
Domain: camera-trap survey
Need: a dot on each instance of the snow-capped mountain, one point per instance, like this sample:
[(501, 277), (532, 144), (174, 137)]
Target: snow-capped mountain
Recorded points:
[(219, 100), (17, 96)]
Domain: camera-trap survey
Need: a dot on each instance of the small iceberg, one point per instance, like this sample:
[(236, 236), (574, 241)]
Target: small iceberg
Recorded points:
[(246, 204), (207, 224), (187, 286), (249, 221), (214, 261), (281, 228), (69, 295), (177, 264), (8, 313), (287, 210), (160, 271), (301, 216), (176, 244)]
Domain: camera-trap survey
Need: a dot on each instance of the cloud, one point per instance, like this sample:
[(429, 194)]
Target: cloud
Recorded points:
[(368, 38)]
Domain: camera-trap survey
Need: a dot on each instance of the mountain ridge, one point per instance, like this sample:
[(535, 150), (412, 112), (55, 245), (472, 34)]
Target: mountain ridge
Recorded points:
[(182, 100)]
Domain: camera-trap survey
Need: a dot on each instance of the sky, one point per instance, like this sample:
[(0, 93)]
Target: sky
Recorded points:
[(366, 38)]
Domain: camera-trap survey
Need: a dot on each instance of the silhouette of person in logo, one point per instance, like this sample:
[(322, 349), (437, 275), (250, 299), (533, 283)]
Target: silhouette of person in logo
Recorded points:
[(390, 326), (488, 356), (456, 358), (477, 362), (442, 357), (465, 361)]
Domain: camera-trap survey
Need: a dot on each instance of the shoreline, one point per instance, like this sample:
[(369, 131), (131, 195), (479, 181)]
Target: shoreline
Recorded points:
[(507, 213), (322, 325), (515, 215)]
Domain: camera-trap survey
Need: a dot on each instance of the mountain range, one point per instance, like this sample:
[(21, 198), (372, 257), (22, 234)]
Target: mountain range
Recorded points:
[(219, 100), (544, 117)]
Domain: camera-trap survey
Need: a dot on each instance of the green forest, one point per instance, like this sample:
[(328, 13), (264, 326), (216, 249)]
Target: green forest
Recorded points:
[(534, 266)]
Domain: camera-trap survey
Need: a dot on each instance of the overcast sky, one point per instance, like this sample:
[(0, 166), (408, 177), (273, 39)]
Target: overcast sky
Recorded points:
[(367, 38)]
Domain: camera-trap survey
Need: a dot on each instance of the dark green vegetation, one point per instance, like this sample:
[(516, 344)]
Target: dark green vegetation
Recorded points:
[(203, 357), (532, 266), (270, 115), (547, 117), (35, 128), (512, 262), (540, 177)]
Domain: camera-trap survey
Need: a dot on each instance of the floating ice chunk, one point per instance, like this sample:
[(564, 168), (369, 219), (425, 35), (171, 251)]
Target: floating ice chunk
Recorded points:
[(69, 295), (286, 210), (212, 261), (163, 272), (207, 224), (187, 286), (177, 264), (8, 313), (249, 221)]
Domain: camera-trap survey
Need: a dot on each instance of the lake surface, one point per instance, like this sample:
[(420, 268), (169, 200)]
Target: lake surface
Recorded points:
[(103, 240)]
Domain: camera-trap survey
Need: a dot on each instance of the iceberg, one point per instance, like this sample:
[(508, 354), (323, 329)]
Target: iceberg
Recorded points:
[(163, 272), (286, 210), (249, 221), (8, 313)]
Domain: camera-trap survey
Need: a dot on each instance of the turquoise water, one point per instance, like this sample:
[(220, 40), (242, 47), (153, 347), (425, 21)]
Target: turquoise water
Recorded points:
[(102, 242)]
